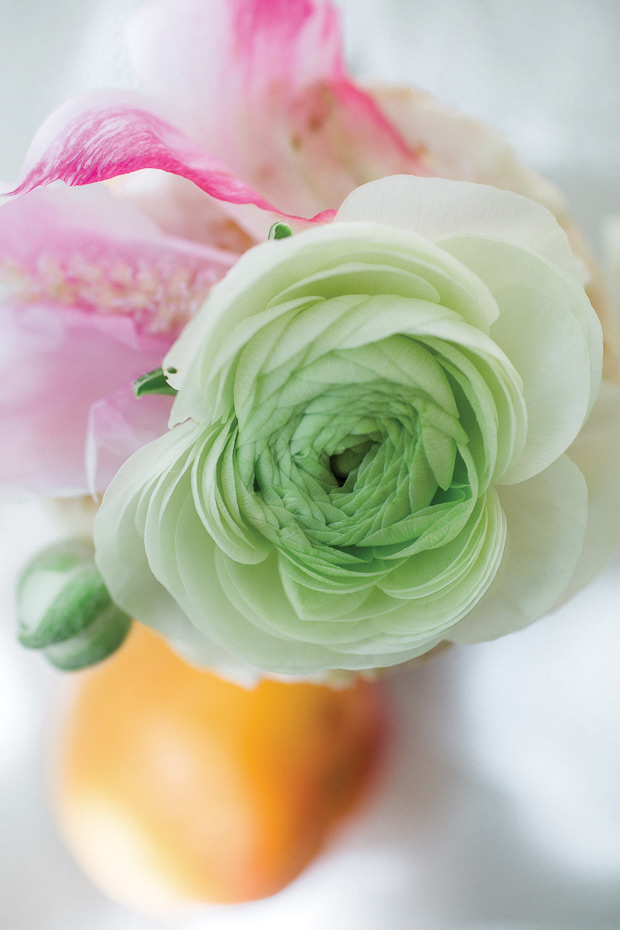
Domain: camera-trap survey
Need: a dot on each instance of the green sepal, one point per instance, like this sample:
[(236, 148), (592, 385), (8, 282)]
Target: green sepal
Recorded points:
[(153, 382), (280, 231), (64, 608), (76, 607), (93, 645)]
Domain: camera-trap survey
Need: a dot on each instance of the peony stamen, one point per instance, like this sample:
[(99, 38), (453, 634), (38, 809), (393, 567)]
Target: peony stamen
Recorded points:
[(160, 296)]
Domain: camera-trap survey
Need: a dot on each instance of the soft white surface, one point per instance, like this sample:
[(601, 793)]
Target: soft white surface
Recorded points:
[(499, 805)]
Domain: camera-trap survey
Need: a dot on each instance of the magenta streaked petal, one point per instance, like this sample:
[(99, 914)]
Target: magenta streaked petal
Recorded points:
[(56, 363), (99, 136), (117, 426), (89, 250), (262, 85), (200, 57)]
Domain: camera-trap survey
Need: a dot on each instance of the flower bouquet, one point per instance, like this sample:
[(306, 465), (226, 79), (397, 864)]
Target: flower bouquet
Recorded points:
[(341, 378)]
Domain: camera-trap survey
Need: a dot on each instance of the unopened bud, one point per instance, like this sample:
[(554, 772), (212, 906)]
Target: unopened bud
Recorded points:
[(64, 608)]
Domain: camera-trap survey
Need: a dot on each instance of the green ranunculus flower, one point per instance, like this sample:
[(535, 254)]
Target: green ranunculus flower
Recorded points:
[(370, 451)]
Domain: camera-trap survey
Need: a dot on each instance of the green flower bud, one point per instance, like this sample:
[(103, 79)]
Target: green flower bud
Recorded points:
[(64, 608)]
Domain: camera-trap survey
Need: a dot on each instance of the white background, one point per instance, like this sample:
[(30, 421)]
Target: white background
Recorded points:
[(498, 806)]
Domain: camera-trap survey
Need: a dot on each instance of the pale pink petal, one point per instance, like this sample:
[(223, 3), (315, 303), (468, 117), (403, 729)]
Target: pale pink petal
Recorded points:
[(92, 251), (256, 110), (101, 135), (262, 85), (118, 426), (189, 53), (461, 147), (93, 296), (56, 363), (182, 210)]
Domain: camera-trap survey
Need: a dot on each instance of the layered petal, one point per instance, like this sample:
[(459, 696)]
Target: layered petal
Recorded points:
[(517, 248), (547, 518), (318, 264), (596, 452), (122, 556), (434, 209), (373, 420)]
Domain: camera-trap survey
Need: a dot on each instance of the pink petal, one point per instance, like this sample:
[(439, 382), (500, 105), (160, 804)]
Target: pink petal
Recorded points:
[(93, 297), (90, 250), (461, 147), (262, 84), (200, 56), (181, 209), (99, 136), (56, 363), (117, 426)]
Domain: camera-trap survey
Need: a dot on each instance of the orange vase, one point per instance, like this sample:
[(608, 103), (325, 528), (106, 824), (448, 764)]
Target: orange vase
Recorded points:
[(172, 785)]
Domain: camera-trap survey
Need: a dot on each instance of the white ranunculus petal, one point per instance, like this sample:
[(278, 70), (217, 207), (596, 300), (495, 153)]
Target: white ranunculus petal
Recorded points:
[(120, 540), (363, 277), (547, 347), (546, 518), (119, 535), (439, 209), (274, 266), (502, 267), (596, 452)]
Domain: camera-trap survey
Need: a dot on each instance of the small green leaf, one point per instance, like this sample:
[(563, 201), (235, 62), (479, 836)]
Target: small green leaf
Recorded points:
[(280, 231), (153, 382)]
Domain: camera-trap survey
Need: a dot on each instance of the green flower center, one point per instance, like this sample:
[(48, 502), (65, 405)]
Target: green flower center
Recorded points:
[(353, 463), (353, 438)]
